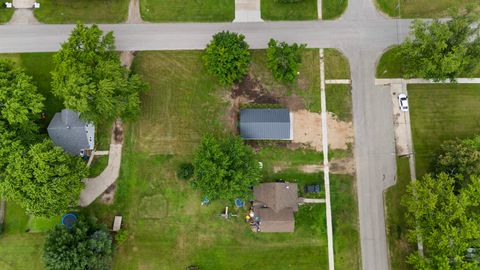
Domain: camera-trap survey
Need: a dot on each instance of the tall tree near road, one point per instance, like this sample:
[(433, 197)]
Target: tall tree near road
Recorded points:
[(447, 220), (443, 50), (43, 179), (283, 59), (227, 57), (20, 103), (89, 77)]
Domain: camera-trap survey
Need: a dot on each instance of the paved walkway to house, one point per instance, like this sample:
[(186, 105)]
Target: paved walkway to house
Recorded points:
[(247, 11), (134, 12), (23, 16), (326, 166), (23, 3), (346, 81)]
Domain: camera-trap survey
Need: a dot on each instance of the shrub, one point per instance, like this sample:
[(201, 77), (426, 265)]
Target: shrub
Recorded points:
[(121, 236), (283, 59), (185, 171)]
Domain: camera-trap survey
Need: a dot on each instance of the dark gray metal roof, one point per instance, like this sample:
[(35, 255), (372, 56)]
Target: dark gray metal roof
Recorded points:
[(68, 131), (265, 124)]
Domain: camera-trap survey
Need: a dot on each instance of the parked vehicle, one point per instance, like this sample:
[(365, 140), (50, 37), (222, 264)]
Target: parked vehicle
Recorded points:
[(403, 102), (312, 189)]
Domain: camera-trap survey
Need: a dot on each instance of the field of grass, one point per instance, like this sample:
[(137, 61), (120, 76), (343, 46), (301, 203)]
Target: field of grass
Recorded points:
[(5, 14), (99, 164), (86, 11), (163, 213), (272, 10), (390, 64), (18, 249), (43, 224), (332, 9), (187, 11), (422, 8), (399, 248), (339, 100), (336, 65), (441, 112), (306, 85)]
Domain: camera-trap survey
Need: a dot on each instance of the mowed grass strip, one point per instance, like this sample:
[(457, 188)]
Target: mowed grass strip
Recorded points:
[(332, 9), (441, 112), (183, 102), (346, 235), (306, 85), (5, 14), (85, 11), (273, 10), (422, 8), (339, 100), (336, 65), (396, 224), (187, 10)]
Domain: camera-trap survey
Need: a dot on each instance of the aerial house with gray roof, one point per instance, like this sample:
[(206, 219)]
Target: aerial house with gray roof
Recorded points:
[(71, 133), (266, 124)]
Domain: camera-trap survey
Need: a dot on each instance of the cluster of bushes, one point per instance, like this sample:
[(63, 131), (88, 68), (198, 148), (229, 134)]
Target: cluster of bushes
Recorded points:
[(227, 57)]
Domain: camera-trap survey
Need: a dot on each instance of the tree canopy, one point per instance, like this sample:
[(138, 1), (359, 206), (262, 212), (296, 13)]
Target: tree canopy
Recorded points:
[(20, 103), (283, 59), (227, 57), (447, 220), (90, 79), (442, 50), (85, 246), (459, 157), (225, 168), (43, 179)]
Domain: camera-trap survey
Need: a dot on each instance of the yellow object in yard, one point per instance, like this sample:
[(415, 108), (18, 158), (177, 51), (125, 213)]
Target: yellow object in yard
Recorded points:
[(247, 217)]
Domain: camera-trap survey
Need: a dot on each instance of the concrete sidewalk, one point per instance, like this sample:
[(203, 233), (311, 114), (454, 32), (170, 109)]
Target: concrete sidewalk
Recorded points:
[(247, 11)]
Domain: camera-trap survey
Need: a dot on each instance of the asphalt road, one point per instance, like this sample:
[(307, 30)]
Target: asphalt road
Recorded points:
[(362, 34)]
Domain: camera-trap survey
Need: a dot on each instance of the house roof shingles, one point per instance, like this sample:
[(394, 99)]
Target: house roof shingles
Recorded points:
[(275, 204), (265, 124), (68, 131)]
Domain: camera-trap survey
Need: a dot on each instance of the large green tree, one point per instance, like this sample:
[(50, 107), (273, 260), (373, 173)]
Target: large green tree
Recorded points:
[(85, 246), (225, 168), (442, 50), (20, 102), (283, 59), (43, 179), (447, 219), (459, 157), (90, 79), (227, 57)]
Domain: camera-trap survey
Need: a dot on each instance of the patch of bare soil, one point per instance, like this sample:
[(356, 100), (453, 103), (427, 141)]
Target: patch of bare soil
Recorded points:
[(307, 129), (109, 194), (126, 58), (343, 165), (251, 91), (117, 133)]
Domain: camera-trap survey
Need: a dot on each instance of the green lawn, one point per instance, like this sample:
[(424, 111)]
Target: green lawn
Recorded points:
[(18, 249), (163, 213), (43, 224), (306, 85), (187, 10), (396, 224), (99, 164), (86, 11), (5, 14), (332, 9), (339, 100), (421, 8), (390, 64), (336, 65), (441, 112), (272, 10)]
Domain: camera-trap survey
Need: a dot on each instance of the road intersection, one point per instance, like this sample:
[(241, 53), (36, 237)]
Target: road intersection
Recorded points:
[(362, 34)]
